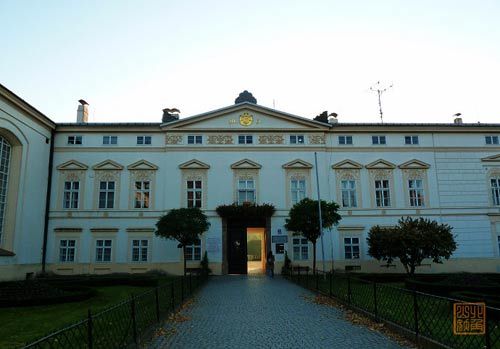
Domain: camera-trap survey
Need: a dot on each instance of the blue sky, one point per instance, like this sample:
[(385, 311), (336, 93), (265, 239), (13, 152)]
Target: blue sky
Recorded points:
[(131, 59)]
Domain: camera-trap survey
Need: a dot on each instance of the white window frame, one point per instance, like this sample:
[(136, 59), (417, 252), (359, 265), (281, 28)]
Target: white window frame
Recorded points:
[(495, 190), (75, 140), (142, 194), (107, 192), (300, 248), (6, 158), (346, 140), (297, 190), (194, 139), (65, 247), (297, 139), (411, 140), (73, 195), (245, 139), (348, 193), (109, 140), (195, 192), (144, 140), (416, 195), (350, 246), (491, 140), (377, 140), (140, 249), (382, 193), (193, 252), (244, 188), (103, 247)]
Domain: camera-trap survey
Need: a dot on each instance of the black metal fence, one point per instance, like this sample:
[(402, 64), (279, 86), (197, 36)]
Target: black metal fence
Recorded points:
[(425, 317), (125, 323)]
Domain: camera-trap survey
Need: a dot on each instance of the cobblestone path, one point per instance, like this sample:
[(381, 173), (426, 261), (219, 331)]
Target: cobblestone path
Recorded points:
[(259, 312)]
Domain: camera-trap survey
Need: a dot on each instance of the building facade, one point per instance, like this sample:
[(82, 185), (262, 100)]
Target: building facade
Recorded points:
[(111, 182)]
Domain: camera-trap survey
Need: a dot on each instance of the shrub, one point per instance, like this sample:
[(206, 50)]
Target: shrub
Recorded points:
[(205, 270), (287, 266)]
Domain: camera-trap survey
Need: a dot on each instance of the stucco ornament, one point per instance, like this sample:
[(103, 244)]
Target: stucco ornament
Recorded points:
[(220, 139), (317, 139), (246, 119), (348, 174), (107, 175), (173, 139), (414, 173), (141, 175), (380, 174), (271, 139), (73, 176)]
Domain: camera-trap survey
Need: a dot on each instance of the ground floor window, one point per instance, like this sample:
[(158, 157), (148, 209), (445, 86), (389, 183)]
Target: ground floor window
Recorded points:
[(67, 250), (140, 250), (300, 249), (103, 250), (193, 252), (351, 248)]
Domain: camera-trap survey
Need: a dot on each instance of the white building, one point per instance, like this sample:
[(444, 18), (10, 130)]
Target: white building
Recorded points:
[(111, 182)]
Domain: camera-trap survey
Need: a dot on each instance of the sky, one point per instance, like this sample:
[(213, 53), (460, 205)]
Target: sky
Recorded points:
[(131, 59)]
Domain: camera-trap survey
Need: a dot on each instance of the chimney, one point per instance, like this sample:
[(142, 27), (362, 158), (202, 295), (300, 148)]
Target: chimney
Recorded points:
[(170, 114), (323, 117), (82, 114), (458, 121), (332, 118)]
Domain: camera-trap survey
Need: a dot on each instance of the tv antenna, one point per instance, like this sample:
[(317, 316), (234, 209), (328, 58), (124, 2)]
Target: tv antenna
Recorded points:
[(380, 89)]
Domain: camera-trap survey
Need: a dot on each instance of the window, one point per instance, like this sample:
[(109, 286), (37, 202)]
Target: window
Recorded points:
[(106, 194), (495, 191), (246, 191), (345, 140), (378, 140), (74, 140), (298, 190), (67, 250), (195, 139), (382, 193), (416, 192), (142, 194), (193, 252), (143, 140), (110, 140), (140, 250), (296, 139), (71, 193), (300, 249), (103, 250), (491, 140), (411, 139), (245, 139), (194, 193), (351, 248), (348, 188), (4, 176)]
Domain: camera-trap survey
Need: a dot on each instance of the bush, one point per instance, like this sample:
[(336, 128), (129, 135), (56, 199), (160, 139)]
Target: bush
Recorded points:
[(205, 270), (287, 266), (149, 280), (444, 285)]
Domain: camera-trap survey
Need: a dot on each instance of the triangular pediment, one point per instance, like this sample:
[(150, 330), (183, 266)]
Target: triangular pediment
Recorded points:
[(492, 158), (380, 164), (107, 165), (72, 165), (246, 164), (142, 165), (245, 117), (347, 165), (414, 163), (194, 165), (297, 164)]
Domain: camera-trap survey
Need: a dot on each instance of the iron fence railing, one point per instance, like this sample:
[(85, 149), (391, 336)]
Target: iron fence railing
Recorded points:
[(424, 316), (125, 323)]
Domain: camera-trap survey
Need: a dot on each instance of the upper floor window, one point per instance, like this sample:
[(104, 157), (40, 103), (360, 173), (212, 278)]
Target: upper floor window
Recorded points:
[(298, 190), (345, 140), (495, 191), (245, 139), (193, 252), (106, 194), (300, 249), (143, 140), (382, 193), (491, 140), (67, 250), (142, 193), (378, 140), (110, 140), (74, 140), (140, 250), (103, 250), (351, 248), (71, 194), (416, 192), (348, 188), (194, 193), (296, 139), (411, 139), (4, 180), (195, 139), (246, 191)]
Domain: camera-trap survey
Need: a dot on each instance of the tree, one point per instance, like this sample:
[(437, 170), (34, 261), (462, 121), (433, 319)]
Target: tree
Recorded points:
[(303, 219), (184, 225), (412, 241)]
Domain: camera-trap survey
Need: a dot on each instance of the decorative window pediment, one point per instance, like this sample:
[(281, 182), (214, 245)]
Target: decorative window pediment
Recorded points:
[(142, 165), (246, 164), (72, 165), (194, 165), (492, 158), (380, 164), (108, 165), (297, 164), (347, 165), (414, 164)]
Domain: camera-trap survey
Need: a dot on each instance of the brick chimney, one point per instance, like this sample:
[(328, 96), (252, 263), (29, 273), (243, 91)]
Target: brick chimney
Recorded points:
[(82, 114)]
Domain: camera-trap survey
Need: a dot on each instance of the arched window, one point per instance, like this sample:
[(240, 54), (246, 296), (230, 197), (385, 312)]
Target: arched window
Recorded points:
[(4, 179)]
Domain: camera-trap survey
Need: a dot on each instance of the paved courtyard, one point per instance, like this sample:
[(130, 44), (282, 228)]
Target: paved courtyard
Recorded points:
[(259, 312)]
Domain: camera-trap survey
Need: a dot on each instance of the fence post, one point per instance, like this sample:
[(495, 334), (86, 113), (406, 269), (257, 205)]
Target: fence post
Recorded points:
[(330, 283), (415, 314), (134, 322), (157, 298), (487, 337), (90, 340), (375, 308), (182, 288), (298, 275), (307, 278), (172, 293), (190, 285), (348, 288), (317, 281)]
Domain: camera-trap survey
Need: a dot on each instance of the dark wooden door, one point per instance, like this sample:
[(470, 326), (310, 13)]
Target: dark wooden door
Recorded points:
[(237, 248)]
